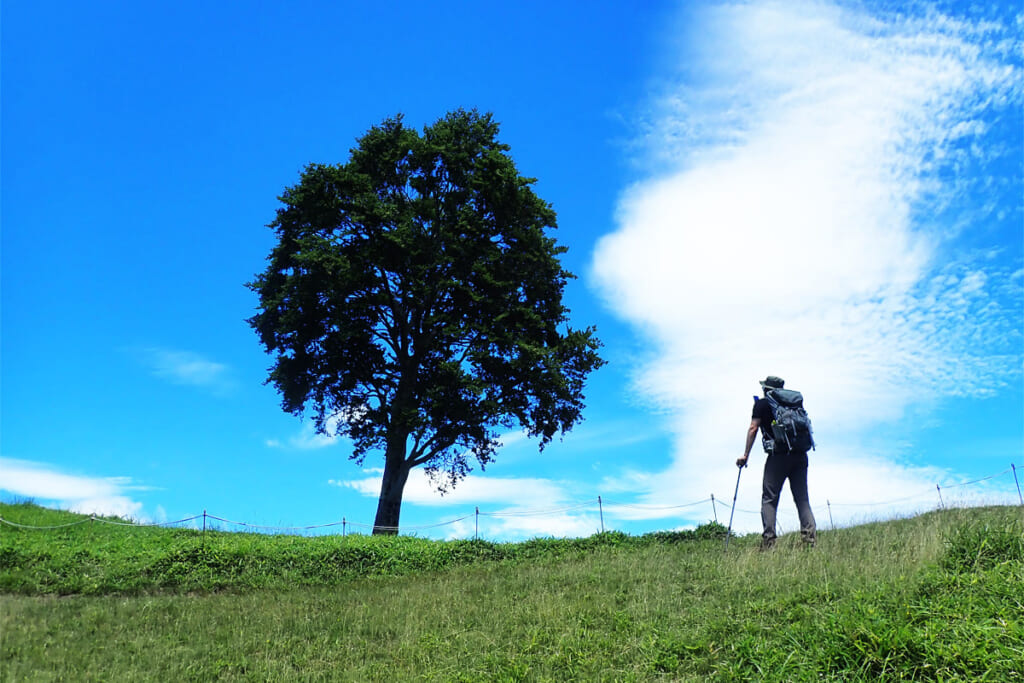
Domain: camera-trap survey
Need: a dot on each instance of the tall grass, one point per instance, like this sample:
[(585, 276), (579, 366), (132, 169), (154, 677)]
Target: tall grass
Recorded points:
[(936, 597)]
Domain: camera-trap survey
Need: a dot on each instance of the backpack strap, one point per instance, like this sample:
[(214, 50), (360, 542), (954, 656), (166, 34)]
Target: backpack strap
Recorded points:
[(772, 402), (767, 440)]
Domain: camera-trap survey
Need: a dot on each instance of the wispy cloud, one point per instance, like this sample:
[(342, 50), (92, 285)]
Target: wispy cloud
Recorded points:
[(77, 493), (809, 178), (510, 507), (307, 438), (473, 490), (186, 368)]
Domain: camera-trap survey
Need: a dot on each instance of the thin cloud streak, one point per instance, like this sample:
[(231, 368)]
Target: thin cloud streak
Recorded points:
[(187, 368), (513, 493), (791, 230), (307, 439)]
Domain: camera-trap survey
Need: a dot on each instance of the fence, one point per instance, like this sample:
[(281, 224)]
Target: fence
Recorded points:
[(599, 504)]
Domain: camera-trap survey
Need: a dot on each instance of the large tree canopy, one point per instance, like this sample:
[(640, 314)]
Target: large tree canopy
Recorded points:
[(413, 303)]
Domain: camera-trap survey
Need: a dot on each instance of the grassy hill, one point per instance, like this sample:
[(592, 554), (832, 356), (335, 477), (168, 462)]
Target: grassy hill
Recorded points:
[(935, 597)]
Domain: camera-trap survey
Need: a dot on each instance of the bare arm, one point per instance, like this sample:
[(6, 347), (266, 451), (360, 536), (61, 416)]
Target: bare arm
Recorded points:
[(755, 423)]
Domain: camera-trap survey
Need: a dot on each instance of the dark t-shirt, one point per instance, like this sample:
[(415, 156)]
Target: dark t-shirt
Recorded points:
[(763, 412)]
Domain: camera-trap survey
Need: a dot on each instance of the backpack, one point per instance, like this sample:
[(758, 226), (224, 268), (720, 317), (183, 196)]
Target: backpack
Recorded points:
[(791, 427)]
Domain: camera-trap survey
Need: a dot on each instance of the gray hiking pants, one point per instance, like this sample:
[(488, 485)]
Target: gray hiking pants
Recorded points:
[(777, 469)]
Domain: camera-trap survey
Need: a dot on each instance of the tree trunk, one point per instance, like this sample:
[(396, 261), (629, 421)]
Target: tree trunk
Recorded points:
[(389, 505)]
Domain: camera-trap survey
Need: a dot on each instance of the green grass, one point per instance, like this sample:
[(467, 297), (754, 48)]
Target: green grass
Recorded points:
[(93, 558), (936, 597)]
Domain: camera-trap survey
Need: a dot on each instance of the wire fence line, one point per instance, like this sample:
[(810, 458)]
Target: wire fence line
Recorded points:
[(600, 505)]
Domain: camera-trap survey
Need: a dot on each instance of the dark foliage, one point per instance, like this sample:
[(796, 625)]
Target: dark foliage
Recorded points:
[(413, 303)]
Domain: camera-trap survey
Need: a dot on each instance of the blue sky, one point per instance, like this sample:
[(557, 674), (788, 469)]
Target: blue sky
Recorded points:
[(827, 192)]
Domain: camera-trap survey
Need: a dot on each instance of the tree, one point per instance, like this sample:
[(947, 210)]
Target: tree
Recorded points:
[(413, 303)]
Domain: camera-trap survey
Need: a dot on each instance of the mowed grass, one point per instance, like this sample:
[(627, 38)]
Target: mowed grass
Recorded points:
[(936, 597)]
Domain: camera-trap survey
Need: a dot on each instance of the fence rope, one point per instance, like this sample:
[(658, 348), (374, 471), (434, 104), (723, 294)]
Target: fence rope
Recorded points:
[(528, 513), (652, 508), (46, 528), (144, 524), (978, 481), (595, 503), (409, 528), (279, 528), (924, 494)]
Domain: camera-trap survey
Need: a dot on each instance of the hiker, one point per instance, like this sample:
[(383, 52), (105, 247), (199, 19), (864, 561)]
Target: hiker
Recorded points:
[(787, 457)]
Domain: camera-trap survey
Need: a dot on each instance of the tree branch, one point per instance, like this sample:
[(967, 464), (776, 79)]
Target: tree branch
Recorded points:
[(421, 455)]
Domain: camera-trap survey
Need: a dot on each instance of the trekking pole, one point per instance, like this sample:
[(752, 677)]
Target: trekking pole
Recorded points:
[(1015, 481), (728, 532)]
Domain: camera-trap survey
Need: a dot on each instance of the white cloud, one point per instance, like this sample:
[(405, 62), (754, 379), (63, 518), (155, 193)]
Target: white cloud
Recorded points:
[(308, 438), (509, 507), (794, 227), (82, 494), (112, 506), (525, 493), (187, 368)]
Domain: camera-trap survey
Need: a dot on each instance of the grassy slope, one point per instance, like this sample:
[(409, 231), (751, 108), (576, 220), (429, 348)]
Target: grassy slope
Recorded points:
[(937, 597)]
